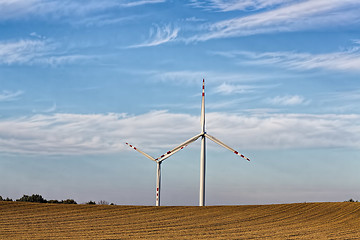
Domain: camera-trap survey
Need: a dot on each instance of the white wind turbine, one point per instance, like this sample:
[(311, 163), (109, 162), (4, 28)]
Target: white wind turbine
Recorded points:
[(158, 168), (203, 135)]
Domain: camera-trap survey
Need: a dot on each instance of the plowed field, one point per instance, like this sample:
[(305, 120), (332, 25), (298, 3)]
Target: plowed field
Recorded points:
[(281, 221)]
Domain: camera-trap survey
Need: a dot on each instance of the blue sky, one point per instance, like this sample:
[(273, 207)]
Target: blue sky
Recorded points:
[(78, 79)]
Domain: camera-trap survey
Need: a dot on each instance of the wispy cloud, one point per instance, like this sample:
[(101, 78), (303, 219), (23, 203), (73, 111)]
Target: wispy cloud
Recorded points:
[(300, 15), (12, 9), (343, 60), (154, 132), (195, 76), (194, 19), (29, 52), (54, 60), (102, 20), (47, 110), (353, 95), (232, 5), (340, 101), (288, 100), (34, 34), (22, 51), (9, 95), (228, 89), (159, 35), (141, 2), (179, 76)]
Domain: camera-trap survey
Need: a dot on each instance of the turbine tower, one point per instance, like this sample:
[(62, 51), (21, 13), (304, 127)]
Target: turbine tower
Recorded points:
[(203, 149), (158, 168), (203, 135)]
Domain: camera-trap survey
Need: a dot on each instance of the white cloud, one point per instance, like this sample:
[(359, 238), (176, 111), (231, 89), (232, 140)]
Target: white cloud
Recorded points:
[(159, 35), (88, 134), (276, 131), (288, 100), (155, 132), (9, 95), (301, 15), (29, 52)]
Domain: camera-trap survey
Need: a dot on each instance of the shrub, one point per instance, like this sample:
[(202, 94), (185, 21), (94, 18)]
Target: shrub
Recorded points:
[(68, 201), (91, 202), (34, 198), (351, 200), (39, 199)]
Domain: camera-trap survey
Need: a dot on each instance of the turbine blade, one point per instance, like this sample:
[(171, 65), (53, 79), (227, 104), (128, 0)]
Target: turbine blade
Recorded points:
[(145, 154), (178, 148), (167, 155), (224, 145), (202, 119)]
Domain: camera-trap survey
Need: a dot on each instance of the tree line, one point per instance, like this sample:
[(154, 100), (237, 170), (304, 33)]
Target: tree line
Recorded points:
[(36, 198)]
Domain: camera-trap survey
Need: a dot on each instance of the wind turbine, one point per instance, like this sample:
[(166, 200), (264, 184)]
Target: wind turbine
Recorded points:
[(158, 161), (203, 135)]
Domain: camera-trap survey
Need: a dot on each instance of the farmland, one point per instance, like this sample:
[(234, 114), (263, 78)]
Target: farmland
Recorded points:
[(22, 220)]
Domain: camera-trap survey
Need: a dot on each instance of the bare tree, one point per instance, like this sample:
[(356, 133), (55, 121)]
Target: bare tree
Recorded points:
[(103, 202)]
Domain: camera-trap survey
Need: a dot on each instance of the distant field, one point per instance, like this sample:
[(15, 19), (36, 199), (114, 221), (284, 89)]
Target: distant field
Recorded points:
[(19, 220)]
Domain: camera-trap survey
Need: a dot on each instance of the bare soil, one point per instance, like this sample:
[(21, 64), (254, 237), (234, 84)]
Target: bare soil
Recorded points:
[(20, 220)]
